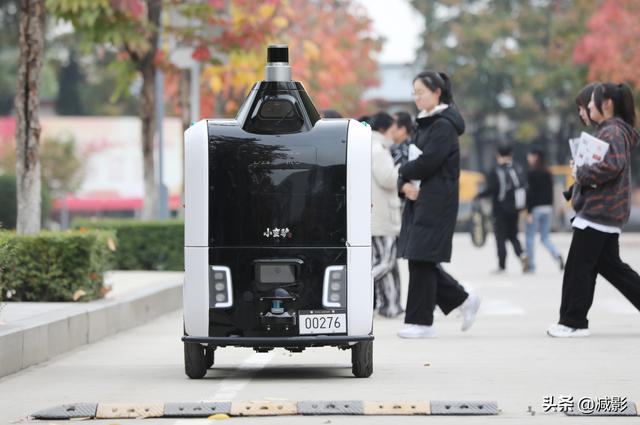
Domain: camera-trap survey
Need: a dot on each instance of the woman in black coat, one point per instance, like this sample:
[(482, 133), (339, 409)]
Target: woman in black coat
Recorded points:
[(429, 217)]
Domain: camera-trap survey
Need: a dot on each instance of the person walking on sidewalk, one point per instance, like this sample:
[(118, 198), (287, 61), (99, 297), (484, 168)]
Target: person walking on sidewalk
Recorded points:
[(505, 187), (539, 207), (385, 217), (429, 216), (602, 207)]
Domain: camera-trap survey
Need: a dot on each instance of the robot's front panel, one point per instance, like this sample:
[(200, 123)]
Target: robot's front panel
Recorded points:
[(277, 232)]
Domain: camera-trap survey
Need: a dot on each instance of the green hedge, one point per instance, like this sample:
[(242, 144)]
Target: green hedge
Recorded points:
[(55, 266), (144, 245)]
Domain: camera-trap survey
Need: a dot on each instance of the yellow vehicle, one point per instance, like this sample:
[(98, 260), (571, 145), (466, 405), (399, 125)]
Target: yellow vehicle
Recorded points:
[(562, 180), (471, 182), (562, 175)]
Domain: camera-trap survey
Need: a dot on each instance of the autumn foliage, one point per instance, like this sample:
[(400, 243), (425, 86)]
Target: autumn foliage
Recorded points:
[(611, 48), (331, 48)]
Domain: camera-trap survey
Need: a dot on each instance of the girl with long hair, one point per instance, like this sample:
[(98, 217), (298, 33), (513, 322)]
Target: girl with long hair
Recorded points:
[(602, 208)]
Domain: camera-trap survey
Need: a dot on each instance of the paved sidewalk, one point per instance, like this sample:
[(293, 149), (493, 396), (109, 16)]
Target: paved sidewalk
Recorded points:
[(32, 332), (505, 357), (121, 282)]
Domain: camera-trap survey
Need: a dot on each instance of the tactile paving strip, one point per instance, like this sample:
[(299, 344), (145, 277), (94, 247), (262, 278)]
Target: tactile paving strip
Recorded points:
[(129, 411), (196, 410), (68, 411), (331, 407), (464, 408), (396, 408), (263, 408), (273, 408)]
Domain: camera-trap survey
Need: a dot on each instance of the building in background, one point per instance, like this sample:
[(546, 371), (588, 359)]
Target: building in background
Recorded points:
[(110, 149), (394, 92)]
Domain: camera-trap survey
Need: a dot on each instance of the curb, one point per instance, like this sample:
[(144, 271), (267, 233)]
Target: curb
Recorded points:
[(222, 409), (35, 340)]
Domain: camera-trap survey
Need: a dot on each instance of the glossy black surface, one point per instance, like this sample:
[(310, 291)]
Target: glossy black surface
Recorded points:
[(277, 107), (244, 318), (277, 190), (277, 193)]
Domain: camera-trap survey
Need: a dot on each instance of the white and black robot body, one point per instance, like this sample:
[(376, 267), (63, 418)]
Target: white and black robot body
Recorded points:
[(277, 225)]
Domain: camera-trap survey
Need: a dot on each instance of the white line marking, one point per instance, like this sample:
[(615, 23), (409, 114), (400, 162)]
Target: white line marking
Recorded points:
[(230, 387)]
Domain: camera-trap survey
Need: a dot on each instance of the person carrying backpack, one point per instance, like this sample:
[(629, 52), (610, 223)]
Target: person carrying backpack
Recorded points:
[(506, 188)]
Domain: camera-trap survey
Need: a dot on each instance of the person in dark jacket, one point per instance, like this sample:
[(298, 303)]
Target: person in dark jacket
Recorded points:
[(501, 181), (429, 216), (539, 207), (403, 129), (602, 208)]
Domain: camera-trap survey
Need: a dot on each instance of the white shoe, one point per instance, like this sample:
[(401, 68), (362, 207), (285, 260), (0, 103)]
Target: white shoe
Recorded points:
[(417, 331), (469, 309), (562, 331)]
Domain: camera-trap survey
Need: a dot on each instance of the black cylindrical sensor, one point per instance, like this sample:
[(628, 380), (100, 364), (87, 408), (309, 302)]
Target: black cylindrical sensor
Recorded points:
[(278, 53)]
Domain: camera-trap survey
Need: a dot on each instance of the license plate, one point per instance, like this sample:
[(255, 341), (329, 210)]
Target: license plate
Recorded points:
[(314, 322)]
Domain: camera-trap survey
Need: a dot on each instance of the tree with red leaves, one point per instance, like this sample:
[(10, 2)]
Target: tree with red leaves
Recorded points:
[(133, 28), (611, 48), (331, 50)]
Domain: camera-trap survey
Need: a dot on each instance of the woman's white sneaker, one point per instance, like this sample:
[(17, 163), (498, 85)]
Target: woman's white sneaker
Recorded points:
[(417, 331), (469, 309), (562, 331)]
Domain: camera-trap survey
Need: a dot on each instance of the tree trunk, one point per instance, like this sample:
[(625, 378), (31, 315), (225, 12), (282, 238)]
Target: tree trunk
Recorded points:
[(28, 182), (147, 68), (148, 120)]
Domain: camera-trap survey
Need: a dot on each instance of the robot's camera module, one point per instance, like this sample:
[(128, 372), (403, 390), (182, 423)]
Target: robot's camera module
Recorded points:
[(276, 109)]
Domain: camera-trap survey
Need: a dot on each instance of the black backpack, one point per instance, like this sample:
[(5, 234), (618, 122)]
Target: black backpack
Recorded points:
[(512, 195)]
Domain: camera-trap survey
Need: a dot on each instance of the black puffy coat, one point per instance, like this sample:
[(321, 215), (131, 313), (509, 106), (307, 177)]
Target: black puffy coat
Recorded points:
[(429, 222)]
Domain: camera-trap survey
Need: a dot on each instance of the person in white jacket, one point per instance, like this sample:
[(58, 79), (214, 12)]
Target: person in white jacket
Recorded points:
[(385, 217)]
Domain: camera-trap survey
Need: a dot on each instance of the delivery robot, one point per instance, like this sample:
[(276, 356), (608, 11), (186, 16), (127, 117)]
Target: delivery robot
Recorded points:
[(277, 228)]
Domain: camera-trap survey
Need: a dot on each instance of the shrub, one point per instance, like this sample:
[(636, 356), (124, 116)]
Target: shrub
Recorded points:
[(144, 245), (55, 266)]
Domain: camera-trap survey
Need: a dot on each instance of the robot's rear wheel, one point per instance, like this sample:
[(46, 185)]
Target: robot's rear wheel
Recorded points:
[(196, 360), (209, 356), (362, 359)]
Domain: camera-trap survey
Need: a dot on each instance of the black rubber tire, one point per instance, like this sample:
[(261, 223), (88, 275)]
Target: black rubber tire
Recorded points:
[(209, 357), (362, 359), (195, 361)]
